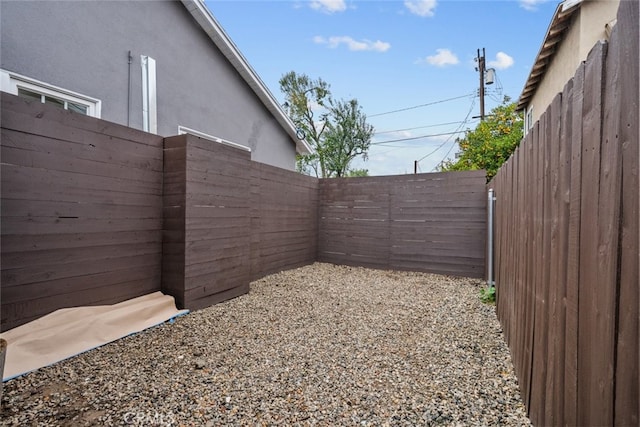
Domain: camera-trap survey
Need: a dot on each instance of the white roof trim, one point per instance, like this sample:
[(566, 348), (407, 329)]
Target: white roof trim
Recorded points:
[(568, 4), (205, 18)]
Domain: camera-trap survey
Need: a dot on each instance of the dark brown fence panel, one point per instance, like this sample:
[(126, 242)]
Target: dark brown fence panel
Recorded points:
[(567, 250), (284, 219), (354, 221), (174, 216), (425, 222), (438, 223), (81, 211), (229, 220), (210, 253)]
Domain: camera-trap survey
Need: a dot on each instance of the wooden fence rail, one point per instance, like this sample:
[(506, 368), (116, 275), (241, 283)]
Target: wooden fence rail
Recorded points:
[(567, 244)]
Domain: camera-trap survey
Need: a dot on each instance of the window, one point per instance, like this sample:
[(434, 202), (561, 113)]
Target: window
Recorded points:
[(528, 120), (32, 89)]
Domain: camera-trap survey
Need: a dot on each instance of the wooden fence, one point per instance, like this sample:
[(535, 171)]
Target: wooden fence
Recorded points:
[(567, 244), (97, 213), (229, 220), (284, 220), (81, 208), (425, 222), (91, 214)]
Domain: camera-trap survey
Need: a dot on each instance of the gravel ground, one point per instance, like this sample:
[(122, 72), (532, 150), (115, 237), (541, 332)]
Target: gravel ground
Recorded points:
[(319, 345)]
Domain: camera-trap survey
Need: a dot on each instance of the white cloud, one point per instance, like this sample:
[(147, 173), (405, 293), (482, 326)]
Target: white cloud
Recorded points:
[(354, 45), (421, 7), (442, 58), (531, 5), (329, 6), (502, 61)]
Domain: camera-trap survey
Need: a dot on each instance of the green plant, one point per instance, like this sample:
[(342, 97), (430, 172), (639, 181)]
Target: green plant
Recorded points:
[(488, 295), (491, 143)]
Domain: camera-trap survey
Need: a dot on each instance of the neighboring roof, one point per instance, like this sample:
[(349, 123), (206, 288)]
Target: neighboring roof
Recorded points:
[(203, 16), (555, 34)]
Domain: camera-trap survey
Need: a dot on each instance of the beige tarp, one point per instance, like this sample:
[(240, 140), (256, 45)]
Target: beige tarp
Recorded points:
[(70, 331)]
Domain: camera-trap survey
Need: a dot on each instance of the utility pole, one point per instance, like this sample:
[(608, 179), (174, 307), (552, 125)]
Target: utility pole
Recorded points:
[(481, 69), (415, 167)]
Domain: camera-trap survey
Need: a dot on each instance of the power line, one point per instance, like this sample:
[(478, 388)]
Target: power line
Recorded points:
[(416, 137), (466, 119), (421, 105), (418, 127), (439, 147), (445, 156), (453, 145)]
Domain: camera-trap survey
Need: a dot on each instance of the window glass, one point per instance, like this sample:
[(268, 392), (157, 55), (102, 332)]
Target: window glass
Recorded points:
[(77, 108), (72, 106), (29, 95), (34, 90), (54, 101)]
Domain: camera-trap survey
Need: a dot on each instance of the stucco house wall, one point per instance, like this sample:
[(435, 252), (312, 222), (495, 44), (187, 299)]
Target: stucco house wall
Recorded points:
[(587, 26), (84, 46)]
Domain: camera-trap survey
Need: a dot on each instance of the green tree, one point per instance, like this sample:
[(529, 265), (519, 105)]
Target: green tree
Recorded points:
[(337, 130), (491, 143), (357, 172), (348, 136)]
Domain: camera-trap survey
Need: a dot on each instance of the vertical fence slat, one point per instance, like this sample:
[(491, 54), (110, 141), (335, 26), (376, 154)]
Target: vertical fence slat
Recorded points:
[(528, 302), (561, 255), (627, 372), (555, 285), (573, 254), (538, 292), (594, 379)]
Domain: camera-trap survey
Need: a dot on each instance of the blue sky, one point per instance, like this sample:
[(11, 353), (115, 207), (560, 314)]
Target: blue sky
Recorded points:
[(393, 55)]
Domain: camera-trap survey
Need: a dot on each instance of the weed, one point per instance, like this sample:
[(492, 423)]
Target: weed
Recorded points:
[(488, 295)]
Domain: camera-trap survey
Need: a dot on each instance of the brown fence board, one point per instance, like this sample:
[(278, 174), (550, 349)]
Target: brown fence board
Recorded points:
[(16, 105), (555, 284), (627, 362), (55, 125), (573, 254), (590, 335), (21, 148), (539, 349), (26, 243), (559, 256)]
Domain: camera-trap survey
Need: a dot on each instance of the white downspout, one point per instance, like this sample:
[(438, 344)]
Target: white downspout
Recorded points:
[(149, 97)]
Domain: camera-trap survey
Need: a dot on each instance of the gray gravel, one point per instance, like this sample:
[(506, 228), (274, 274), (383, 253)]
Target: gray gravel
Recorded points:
[(319, 345)]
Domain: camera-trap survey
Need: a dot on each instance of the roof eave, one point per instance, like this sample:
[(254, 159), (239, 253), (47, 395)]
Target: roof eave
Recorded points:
[(554, 36), (205, 19)]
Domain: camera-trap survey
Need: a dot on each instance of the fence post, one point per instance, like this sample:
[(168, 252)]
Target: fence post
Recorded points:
[(490, 205)]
